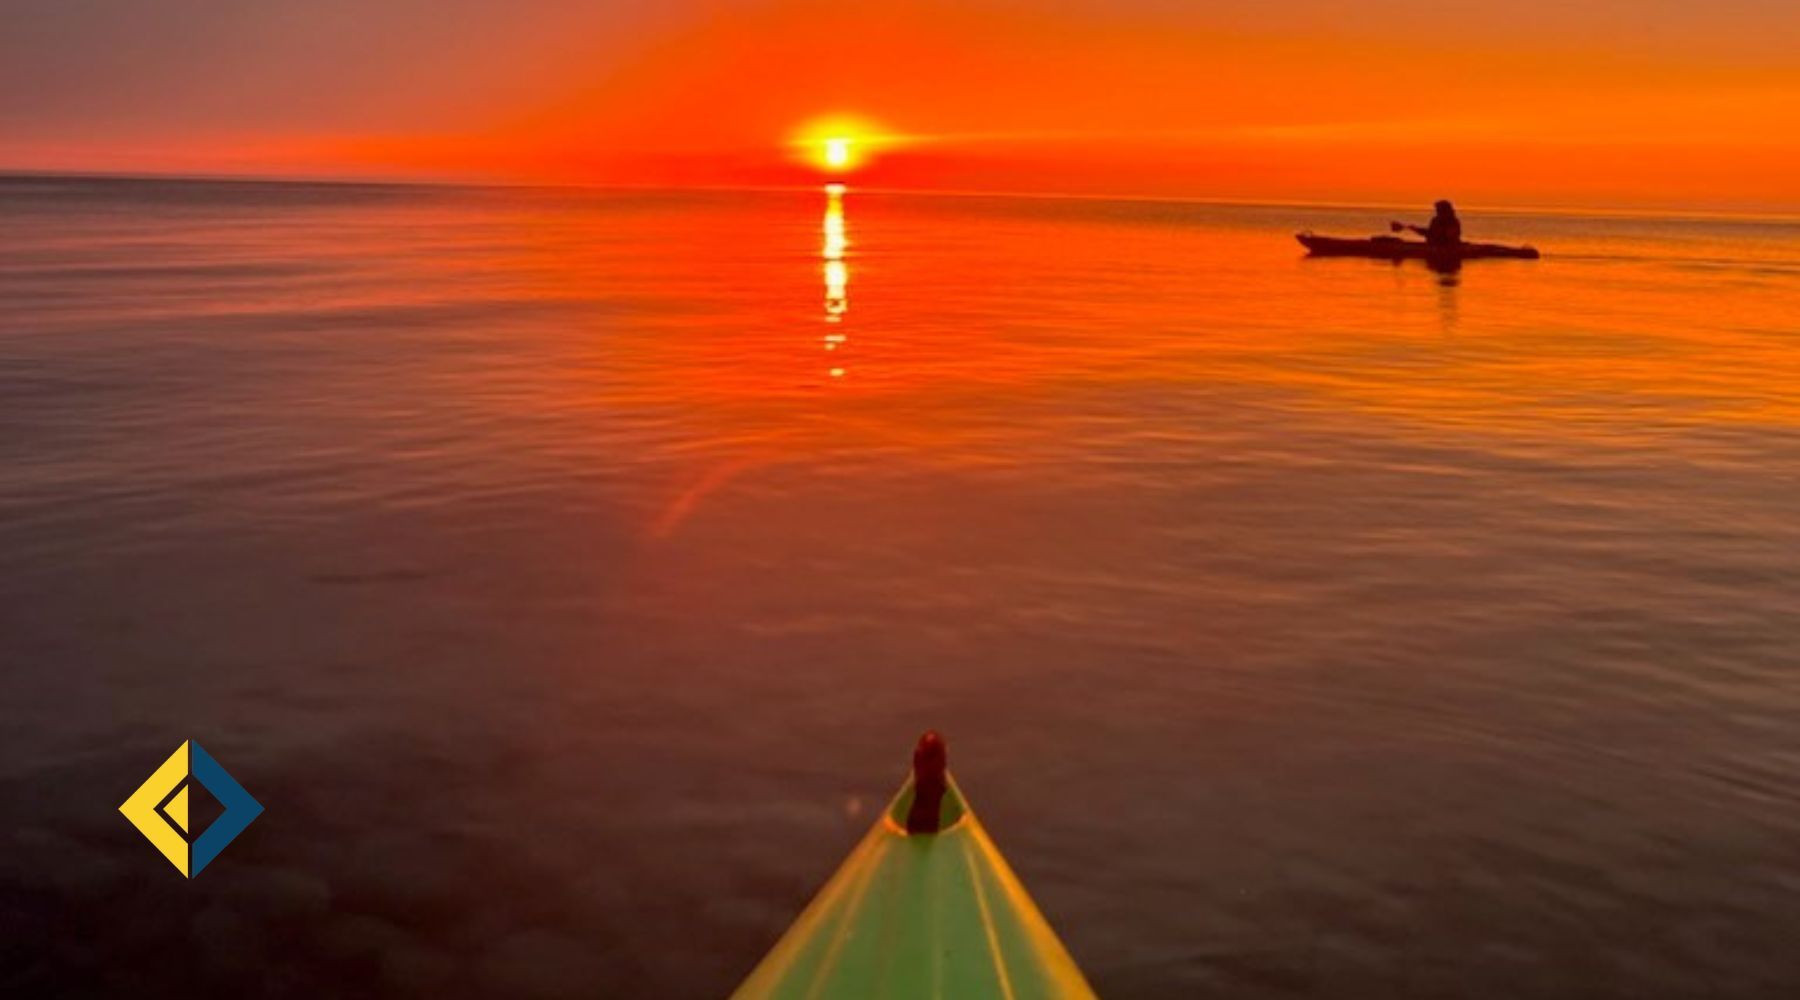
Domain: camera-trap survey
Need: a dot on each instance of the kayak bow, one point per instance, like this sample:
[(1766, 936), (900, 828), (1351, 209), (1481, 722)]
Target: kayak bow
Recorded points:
[(1395, 248), (920, 915)]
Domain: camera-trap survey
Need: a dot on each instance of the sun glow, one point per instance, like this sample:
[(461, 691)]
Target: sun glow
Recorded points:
[(839, 144)]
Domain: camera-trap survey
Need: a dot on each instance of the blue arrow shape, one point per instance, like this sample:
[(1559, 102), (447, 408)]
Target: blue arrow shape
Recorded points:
[(240, 808)]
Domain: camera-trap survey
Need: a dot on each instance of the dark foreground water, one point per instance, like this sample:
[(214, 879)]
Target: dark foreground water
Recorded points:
[(569, 575)]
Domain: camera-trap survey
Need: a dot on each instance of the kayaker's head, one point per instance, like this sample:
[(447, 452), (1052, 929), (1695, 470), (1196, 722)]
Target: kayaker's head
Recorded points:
[(1445, 208)]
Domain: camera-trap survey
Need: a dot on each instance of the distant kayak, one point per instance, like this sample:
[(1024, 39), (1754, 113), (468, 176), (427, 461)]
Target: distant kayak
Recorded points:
[(1395, 248), (931, 914)]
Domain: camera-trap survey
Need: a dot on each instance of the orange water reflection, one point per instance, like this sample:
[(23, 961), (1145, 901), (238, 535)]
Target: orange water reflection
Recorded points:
[(837, 274), (560, 477), (833, 252)]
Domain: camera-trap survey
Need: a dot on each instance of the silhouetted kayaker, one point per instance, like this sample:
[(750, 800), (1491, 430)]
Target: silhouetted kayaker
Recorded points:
[(1444, 230)]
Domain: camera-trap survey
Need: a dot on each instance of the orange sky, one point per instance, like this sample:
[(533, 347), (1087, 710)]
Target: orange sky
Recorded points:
[(1617, 102)]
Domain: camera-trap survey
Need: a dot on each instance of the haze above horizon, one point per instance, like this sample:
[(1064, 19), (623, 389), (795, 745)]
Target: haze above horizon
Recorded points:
[(1618, 104)]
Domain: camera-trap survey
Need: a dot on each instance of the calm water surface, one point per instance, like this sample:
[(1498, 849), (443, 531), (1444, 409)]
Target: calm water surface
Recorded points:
[(569, 573)]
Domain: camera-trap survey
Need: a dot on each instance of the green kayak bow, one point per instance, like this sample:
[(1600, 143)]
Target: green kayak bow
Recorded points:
[(931, 913)]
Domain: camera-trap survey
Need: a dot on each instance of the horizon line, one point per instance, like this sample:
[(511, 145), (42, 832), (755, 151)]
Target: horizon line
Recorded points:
[(1603, 211)]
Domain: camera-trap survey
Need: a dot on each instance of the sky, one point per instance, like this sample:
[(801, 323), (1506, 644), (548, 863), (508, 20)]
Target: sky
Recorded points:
[(1668, 103)]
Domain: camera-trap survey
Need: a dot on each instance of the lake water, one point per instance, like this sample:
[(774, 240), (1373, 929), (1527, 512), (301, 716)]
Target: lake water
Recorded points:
[(569, 574)]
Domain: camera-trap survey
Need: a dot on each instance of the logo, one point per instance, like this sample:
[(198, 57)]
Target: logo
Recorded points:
[(161, 806)]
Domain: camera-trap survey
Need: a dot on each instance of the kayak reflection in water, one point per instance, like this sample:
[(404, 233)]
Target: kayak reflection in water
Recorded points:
[(1444, 229)]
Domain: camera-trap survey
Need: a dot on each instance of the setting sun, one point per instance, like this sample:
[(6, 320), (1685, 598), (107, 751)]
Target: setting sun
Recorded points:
[(839, 144)]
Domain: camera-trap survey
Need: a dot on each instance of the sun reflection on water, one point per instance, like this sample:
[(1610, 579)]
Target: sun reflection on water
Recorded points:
[(836, 270)]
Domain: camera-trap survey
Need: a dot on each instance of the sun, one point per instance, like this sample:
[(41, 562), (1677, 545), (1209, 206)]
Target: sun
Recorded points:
[(837, 153), (839, 144)]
